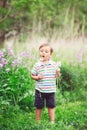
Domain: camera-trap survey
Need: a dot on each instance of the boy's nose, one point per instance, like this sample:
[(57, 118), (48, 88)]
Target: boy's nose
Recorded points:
[(43, 52)]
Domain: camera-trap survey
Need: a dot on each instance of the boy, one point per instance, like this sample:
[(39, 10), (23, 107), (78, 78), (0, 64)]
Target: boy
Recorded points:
[(45, 73)]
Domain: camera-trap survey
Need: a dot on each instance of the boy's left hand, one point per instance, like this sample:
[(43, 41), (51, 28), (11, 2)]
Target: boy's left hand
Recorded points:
[(57, 73)]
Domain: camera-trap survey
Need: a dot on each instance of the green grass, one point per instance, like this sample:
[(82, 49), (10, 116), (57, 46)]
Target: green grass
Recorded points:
[(70, 116)]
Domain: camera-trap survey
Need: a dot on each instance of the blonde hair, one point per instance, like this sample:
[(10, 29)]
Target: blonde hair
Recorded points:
[(46, 44)]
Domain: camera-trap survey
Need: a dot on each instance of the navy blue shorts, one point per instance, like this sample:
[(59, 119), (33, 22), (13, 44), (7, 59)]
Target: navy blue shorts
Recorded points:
[(44, 98)]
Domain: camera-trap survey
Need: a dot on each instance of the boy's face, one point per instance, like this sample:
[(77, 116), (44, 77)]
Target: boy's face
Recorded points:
[(45, 53)]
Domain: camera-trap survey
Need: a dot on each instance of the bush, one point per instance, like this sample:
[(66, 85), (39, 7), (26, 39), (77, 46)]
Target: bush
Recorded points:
[(68, 78), (16, 86), (72, 82)]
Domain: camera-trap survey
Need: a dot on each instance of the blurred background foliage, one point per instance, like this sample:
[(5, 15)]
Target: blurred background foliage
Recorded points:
[(24, 15)]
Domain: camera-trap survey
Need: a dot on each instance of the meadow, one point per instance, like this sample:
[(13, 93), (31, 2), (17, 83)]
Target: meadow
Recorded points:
[(17, 111)]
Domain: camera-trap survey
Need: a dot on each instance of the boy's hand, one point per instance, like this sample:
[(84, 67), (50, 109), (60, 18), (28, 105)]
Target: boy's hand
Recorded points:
[(37, 77), (57, 73), (40, 76), (58, 65)]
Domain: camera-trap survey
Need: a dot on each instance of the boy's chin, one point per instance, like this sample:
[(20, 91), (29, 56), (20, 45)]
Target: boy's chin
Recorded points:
[(44, 60), (41, 59)]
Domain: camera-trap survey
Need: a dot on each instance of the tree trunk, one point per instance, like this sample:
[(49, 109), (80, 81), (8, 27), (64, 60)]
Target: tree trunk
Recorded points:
[(3, 3)]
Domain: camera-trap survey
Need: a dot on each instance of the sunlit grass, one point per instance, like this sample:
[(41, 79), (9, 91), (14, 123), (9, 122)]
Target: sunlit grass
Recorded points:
[(69, 116)]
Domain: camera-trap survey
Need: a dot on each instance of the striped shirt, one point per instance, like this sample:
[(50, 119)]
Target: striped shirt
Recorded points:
[(48, 83)]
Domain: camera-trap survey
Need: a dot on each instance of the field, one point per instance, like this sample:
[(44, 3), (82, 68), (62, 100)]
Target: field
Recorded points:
[(17, 111)]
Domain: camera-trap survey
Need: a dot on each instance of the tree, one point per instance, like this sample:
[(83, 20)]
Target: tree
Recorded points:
[(21, 14)]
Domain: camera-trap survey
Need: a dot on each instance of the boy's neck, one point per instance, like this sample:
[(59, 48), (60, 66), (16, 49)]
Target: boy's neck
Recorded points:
[(45, 62)]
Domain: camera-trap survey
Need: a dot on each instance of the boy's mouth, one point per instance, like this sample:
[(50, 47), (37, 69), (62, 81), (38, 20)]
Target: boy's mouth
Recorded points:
[(42, 58)]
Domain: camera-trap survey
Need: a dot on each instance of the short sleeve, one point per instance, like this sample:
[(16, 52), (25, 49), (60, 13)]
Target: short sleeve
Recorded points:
[(57, 65), (34, 70)]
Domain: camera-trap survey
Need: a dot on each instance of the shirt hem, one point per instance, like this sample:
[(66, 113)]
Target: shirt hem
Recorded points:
[(45, 91)]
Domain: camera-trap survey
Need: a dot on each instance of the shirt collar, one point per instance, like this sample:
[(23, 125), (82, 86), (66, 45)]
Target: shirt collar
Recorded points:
[(48, 63)]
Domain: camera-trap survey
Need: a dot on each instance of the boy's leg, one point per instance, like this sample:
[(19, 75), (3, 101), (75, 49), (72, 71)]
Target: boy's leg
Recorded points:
[(50, 103), (38, 114), (39, 104), (51, 112)]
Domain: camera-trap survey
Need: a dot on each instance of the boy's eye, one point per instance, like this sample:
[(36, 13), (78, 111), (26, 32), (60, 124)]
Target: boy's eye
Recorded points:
[(41, 51)]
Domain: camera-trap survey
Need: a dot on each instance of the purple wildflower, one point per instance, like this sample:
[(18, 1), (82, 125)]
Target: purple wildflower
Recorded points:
[(15, 63), (1, 54), (1, 65), (10, 52), (23, 54), (3, 61)]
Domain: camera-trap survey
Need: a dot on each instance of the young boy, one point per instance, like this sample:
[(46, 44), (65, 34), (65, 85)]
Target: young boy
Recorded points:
[(45, 73)]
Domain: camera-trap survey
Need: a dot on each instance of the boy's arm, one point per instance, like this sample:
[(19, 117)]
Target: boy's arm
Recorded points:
[(58, 65), (37, 77), (57, 73)]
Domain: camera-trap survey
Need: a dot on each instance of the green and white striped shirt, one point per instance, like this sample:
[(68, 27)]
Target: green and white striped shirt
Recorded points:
[(48, 83)]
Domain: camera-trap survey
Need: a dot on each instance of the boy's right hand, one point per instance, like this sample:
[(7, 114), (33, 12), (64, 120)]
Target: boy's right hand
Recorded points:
[(40, 76)]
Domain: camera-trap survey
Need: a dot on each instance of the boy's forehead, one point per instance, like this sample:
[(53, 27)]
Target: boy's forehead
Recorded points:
[(45, 47)]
